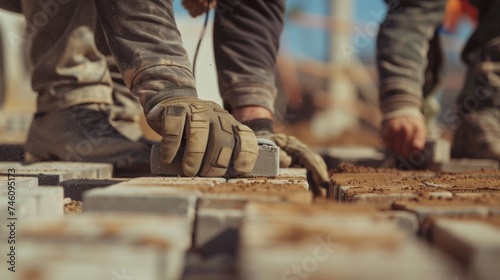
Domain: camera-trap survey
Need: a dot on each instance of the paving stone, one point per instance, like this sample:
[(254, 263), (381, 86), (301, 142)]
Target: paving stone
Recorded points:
[(461, 165), (267, 164), (173, 181), (48, 175), (312, 243), (425, 211), (236, 194), (437, 151), (292, 173), (359, 155), (218, 267), (475, 244), (441, 194), (76, 187), (217, 231), (405, 220), (104, 246), (99, 170), (48, 200), (301, 182), (49, 261), (154, 200), (25, 209), (20, 182), (380, 200)]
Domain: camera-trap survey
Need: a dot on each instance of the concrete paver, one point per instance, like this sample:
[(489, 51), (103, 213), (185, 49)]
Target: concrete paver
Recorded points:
[(104, 246), (48, 201), (76, 187), (475, 244), (267, 164), (19, 182), (51, 173), (153, 200), (319, 244)]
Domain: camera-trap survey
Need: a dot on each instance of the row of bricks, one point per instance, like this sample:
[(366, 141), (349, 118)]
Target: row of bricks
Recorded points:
[(436, 156), (422, 195), (174, 197), (99, 246), (212, 207), (53, 173), (280, 241)]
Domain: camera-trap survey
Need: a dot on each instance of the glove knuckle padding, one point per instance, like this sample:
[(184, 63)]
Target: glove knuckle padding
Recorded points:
[(197, 133), (246, 149), (220, 143), (172, 131)]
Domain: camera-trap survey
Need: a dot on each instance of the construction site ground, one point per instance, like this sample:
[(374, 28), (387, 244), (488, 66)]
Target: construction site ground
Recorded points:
[(80, 221)]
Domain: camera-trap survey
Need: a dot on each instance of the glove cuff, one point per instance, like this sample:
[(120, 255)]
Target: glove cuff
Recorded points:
[(260, 125)]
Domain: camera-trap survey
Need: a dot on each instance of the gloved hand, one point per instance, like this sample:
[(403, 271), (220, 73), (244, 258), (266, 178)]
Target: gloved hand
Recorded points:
[(198, 7), (295, 153), (214, 139)]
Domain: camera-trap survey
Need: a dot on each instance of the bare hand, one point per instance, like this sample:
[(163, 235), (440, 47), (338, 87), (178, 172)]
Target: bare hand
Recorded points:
[(404, 135)]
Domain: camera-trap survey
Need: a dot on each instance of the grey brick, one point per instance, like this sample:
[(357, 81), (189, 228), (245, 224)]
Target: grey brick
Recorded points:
[(461, 165), (76, 187), (20, 182), (267, 164), (424, 211), (104, 246), (47, 174), (285, 173), (382, 199), (217, 230), (327, 244), (153, 200), (440, 194), (48, 200), (219, 267), (406, 221), (301, 182), (91, 170), (359, 155), (173, 181), (437, 151), (25, 209), (475, 244)]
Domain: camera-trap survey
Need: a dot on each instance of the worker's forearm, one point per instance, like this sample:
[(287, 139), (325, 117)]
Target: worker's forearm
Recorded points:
[(402, 46)]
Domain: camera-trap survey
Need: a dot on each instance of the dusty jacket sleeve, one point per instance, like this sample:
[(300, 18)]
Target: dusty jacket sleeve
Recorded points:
[(402, 46)]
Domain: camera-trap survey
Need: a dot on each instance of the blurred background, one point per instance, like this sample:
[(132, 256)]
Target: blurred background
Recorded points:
[(328, 81)]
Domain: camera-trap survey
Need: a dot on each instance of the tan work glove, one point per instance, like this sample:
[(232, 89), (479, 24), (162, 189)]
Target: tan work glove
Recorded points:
[(198, 7), (295, 153), (214, 139)]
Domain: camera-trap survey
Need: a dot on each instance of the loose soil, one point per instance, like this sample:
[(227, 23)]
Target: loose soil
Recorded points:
[(73, 208)]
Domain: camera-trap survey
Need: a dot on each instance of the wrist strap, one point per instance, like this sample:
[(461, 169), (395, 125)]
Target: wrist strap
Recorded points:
[(260, 125)]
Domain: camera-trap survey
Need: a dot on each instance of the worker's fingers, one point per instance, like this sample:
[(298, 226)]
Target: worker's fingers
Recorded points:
[(306, 158), (285, 159), (246, 149), (173, 120), (404, 135), (197, 131)]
